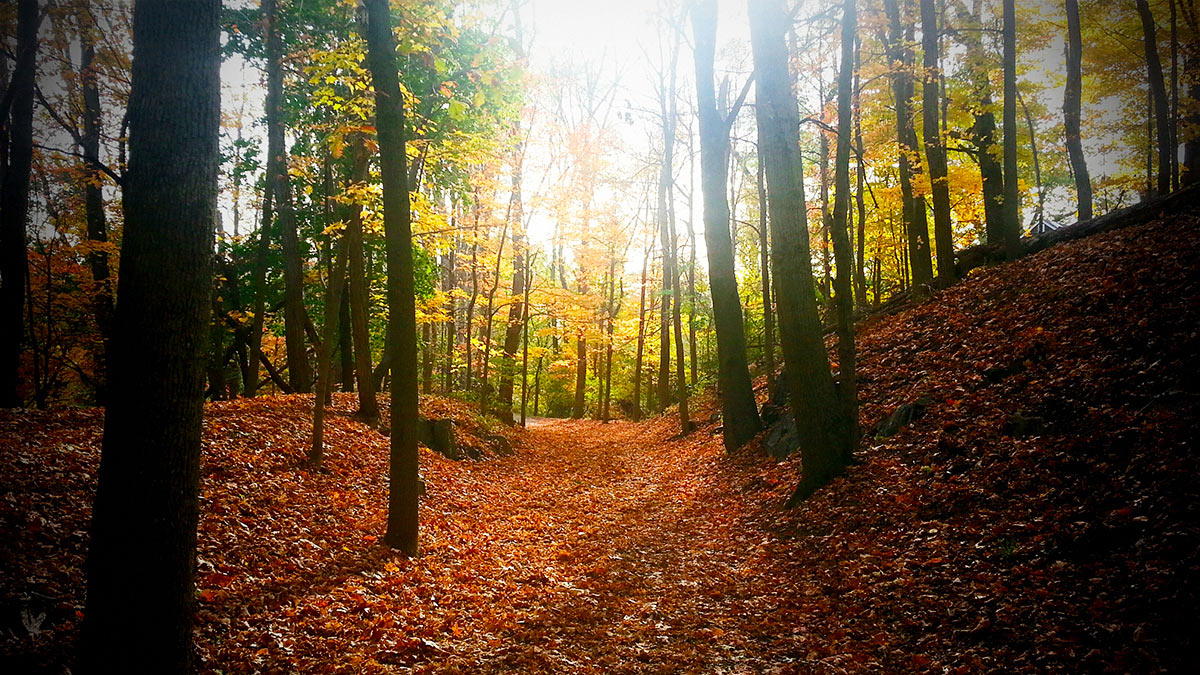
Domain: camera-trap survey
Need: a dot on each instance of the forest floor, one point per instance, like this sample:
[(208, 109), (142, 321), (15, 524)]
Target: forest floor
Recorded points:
[(1041, 516)]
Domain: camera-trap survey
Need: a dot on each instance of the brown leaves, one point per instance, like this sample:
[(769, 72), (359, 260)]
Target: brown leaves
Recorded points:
[(953, 546)]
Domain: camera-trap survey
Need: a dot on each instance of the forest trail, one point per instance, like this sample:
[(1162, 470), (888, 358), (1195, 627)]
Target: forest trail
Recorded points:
[(637, 537)]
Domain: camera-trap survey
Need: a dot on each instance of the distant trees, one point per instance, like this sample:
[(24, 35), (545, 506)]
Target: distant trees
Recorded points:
[(141, 560)]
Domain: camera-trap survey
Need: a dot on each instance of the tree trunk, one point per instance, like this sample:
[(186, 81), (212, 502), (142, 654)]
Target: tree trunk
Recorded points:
[(843, 299), (764, 252), (1012, 195), (811, 388), (97, 224), (916, 227), (345, 341), (299, 374), (14, 204), (580, 376), (668, 117), (739, 411), (402, 322), (368, 404), (142, 555), (641, 335), (1162, 111), (935, 150), (512, 331), (1072, 102), (860, 276), (333, 299)]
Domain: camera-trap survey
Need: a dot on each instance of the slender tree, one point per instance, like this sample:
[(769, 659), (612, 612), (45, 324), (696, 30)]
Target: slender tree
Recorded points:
[(823, 443), (142, 556), (843, 298), (935, 149), (299, 373), (738, 410), (1158, 94), (402, 321), (1072, 102), (333, 299), (913, 205), (1012, 196)]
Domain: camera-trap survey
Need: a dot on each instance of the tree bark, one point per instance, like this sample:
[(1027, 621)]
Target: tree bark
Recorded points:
[(764, 253), (935, 149), (811, 388), (97, 223), (299, 373), (843, 298), (333, 299), (368, 404), (580, 376), (916, 227), (739, 412), (14, 204), (1162, 111), (142, 555), (402, 519), (1012, 196), (1072, 103)]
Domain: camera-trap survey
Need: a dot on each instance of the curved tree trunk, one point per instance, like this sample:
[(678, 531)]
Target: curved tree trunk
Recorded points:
[(739, 412), (1158, 91), (1072, 102)]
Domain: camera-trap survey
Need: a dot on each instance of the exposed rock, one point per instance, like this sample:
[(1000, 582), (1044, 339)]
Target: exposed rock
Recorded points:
[(438, 435), (500, 444), (782, 440), (1021, 426), (902, 417)]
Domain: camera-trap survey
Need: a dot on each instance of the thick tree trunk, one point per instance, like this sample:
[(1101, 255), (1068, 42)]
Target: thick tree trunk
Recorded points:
[(368, 404), (14, 204), (402, 322), (299, 374), (1072, 102), (1158, 91), (142, 555), (916, 226), (935, 150), (739, 411), (811, 388)]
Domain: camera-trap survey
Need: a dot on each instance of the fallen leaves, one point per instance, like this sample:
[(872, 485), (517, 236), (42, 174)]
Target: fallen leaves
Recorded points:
[(953, 546)]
